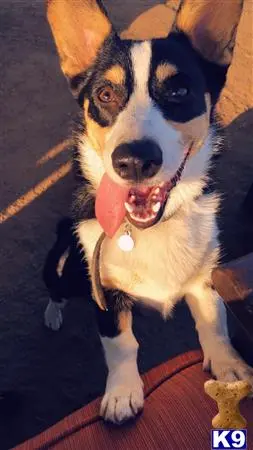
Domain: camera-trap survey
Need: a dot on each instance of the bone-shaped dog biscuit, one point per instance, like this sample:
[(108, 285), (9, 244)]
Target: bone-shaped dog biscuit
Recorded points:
[(228, 396)]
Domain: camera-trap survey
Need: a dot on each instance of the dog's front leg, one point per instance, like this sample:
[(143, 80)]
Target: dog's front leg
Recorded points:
[(123, 397), (209, 313)]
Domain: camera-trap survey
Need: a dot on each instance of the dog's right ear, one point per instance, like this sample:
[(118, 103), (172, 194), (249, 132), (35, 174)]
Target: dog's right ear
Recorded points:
[(79, 28)]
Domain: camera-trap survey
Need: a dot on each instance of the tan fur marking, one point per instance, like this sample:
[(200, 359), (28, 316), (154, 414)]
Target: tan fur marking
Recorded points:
[(117, 282), (164, 71), (195, 130), (110, 283), (125, 320), (211, 26), (115, 74), (79, 28), (95, 133)]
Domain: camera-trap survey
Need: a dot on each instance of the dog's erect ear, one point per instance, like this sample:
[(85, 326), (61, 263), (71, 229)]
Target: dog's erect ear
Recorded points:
[(211, 26), (79, 28)]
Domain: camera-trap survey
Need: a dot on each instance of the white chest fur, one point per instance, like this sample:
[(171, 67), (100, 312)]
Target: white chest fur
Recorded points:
[(164, 257)]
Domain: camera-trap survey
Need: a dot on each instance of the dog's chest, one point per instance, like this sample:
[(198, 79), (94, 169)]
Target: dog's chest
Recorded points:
[(162, 260)]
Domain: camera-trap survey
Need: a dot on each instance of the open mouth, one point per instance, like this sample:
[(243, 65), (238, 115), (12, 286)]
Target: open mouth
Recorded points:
[(142, 205), (145, 204)]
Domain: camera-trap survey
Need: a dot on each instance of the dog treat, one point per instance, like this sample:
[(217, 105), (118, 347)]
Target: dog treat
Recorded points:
[(110, 205), (228, 396)]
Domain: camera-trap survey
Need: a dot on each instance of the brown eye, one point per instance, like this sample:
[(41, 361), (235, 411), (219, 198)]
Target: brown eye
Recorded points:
[(106, 95)]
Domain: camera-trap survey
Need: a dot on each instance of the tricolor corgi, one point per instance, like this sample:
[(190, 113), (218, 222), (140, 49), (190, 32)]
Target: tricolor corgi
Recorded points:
[(143, 153)]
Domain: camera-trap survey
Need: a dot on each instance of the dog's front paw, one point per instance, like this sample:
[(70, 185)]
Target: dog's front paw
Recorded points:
[(226, 365), (122, 402)]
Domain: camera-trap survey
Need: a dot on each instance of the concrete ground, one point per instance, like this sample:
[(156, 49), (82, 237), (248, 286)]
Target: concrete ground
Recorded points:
[(58, 373)]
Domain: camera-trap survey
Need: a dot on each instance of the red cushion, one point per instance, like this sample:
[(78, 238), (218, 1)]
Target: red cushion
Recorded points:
[(177, 415)]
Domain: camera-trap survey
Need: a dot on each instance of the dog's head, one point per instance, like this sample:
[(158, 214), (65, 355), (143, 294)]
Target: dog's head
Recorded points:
[(146, 104)]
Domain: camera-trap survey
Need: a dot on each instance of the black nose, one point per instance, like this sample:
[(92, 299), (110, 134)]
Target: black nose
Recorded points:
[(137, 160)]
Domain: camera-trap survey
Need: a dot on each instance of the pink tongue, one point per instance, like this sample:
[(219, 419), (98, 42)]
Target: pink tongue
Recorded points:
[(109, 208)]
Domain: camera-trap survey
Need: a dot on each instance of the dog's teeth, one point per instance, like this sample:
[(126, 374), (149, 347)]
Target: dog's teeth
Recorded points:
[(157, 190), (156, 207), (129, 208), (145, 219), (132, 198), (142, 219)]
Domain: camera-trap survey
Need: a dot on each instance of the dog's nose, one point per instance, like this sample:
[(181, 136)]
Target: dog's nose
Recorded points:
[(137, 160)]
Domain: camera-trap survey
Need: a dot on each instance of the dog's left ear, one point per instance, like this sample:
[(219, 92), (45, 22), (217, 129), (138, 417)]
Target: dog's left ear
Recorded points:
[(211, 26), (79, 28)]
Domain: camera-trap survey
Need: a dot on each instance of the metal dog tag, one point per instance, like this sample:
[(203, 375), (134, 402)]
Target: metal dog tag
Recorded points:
[(126, 242)]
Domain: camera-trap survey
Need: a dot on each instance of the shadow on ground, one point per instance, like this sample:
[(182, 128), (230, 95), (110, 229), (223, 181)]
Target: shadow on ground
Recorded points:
[(234, 176)]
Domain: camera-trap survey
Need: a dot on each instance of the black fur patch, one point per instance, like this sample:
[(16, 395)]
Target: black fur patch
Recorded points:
[(108, 321), (74, 280), (88, 84), (191, 75), (114, 52), (83, 205)]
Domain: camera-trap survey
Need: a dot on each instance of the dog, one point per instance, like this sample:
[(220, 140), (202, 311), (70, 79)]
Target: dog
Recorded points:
[(143, 153)]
